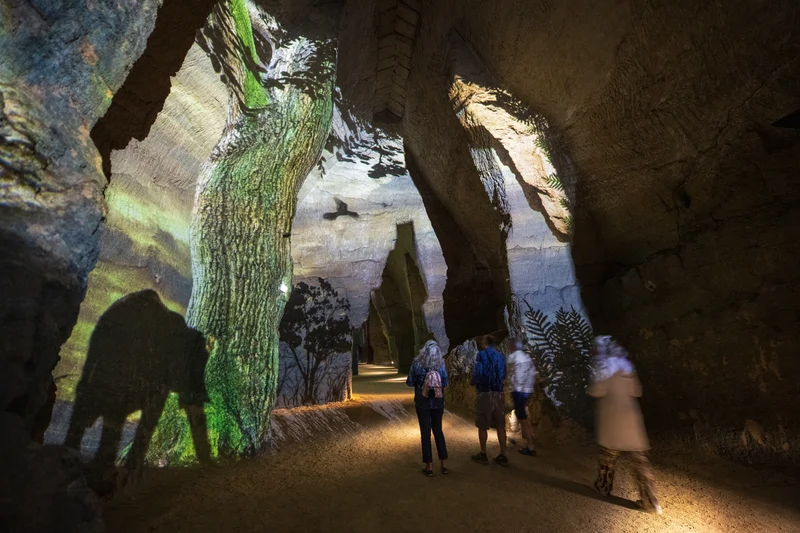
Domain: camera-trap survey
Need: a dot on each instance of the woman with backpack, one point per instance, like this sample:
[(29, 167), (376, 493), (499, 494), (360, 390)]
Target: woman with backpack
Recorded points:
[(428, 376)]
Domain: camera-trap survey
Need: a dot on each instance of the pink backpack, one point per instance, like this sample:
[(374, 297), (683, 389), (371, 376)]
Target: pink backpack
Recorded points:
[(432, 387)]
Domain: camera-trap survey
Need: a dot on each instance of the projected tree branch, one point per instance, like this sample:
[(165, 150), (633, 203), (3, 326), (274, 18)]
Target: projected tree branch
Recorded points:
[(244, 207)]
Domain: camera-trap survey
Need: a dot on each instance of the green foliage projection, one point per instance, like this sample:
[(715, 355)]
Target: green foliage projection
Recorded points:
[(255, 95), (555, 182), (561, 351), (146, 226), (542, 144), (241, 222)]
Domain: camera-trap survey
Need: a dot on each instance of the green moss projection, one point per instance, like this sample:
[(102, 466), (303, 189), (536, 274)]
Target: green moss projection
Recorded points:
[(239, 240), (255, 96), (236, 236)]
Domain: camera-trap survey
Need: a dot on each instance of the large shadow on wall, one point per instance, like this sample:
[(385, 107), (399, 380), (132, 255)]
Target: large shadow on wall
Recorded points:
[(400, 298), (473, 303), (139, 352)]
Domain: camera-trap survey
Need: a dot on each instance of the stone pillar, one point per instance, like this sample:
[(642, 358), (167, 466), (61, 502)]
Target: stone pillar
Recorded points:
[(243, 212)]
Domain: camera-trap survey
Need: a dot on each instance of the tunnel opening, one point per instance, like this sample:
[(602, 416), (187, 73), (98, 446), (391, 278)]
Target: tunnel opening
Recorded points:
[(397, 323)]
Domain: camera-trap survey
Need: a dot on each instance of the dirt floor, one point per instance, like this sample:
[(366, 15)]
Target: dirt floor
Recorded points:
[(355, 467)]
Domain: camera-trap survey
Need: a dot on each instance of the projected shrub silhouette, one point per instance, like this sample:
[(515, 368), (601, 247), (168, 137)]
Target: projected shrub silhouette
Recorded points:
[(139, 352), (316, 329), (562, 351)]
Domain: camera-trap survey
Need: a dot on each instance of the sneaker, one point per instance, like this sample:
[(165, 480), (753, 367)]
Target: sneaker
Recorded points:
[(427, 472), (528, 452), (501, 459), (481, 458)]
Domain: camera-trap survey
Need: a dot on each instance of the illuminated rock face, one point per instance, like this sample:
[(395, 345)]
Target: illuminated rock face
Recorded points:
[(52, 200), (244, 207), (353, 249), (144, 242), (514, 155), (685, 211), (60, 65), (352, 213)]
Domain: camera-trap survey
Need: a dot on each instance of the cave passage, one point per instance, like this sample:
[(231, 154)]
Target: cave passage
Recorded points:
[(228, 227), (397, 304), (353, 467)]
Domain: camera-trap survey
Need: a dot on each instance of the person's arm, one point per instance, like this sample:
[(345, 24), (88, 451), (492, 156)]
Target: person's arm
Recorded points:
[(502, 368), (477, 369), (636, 387), (445, 378), (598, 389), (411, 375)]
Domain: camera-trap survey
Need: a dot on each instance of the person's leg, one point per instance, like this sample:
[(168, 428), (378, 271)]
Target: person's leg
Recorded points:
[(520, 403), (438, 435), (501, 436), (605, 470), (483, 436), (499, 419), (647, 482), (527, 432), (499, 408), (424, 418), (482, 422)]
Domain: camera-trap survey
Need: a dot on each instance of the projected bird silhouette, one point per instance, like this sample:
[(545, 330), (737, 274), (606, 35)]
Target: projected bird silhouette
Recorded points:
[(341, 210)]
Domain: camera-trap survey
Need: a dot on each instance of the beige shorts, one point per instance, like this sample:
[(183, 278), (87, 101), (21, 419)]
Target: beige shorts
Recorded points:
[(491, 410)]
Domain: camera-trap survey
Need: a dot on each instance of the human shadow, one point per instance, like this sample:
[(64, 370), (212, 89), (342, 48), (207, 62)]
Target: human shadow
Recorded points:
[(576, 488), (139, 352)]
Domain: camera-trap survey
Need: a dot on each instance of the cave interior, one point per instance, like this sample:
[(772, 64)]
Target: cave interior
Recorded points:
[(213, 212)]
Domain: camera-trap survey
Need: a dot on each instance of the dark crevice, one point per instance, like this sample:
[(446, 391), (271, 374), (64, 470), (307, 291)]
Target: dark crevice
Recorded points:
[(471, 299), (792, 121), (138, 102), (400, 298)]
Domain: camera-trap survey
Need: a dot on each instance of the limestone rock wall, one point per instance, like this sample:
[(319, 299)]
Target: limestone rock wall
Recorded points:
[(51, 199), (685, 212), (351, 212), (144, 242), (353, 249), (61, 64)]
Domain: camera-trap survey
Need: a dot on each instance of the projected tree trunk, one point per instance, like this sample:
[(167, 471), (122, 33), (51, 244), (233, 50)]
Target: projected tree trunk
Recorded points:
[(244, 207)]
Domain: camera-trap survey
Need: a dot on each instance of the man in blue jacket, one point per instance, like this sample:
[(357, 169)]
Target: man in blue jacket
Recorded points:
[(488, 375)]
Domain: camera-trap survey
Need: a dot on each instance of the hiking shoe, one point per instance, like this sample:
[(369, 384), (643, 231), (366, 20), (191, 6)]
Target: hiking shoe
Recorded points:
[(603, 490), (528, 452), (501, 459), (481, 458)]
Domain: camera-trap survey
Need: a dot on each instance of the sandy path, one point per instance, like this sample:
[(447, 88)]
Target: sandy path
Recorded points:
[(367, 478)]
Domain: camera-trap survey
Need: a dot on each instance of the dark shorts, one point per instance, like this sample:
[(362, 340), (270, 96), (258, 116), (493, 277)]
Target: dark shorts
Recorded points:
[(490, 410), (520, 402)]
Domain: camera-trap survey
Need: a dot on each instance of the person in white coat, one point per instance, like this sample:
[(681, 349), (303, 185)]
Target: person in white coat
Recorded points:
[(523, 375), (619, 424)]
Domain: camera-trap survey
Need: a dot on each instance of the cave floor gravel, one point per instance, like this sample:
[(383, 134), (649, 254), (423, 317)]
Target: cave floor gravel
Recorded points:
[(355, 467)]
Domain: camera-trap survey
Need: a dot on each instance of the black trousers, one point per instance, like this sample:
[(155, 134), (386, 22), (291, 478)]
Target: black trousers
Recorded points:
[(431, 419)]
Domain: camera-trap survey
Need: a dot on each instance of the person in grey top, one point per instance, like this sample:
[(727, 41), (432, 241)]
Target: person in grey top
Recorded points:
[(523, 375)]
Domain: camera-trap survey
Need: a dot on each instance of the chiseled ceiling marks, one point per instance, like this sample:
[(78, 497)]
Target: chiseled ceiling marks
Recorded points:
[(397, 26)]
